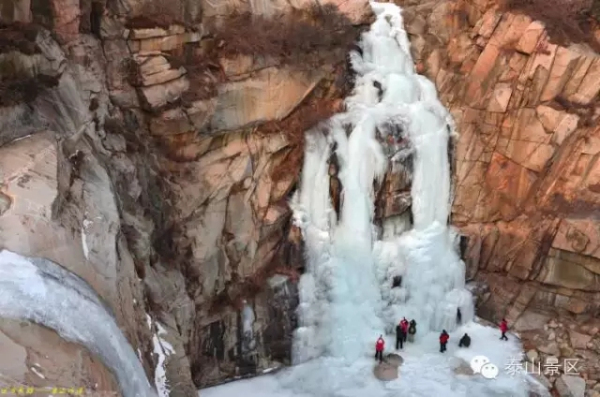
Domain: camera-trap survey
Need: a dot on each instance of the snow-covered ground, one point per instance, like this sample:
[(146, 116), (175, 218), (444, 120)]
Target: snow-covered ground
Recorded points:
[(346, 294), (425, 373)]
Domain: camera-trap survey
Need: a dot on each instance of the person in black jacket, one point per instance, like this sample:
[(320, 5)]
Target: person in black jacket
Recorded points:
[(465, 341), (412, 330), (400, 335)]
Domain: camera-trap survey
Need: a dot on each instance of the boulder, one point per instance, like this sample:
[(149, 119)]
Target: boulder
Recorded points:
[(530, 321), (578, 340), (550, 348), (394, 359), (570, 386), (533, 356), (542, 380), (385, 371), (461, 367), (464, 369)]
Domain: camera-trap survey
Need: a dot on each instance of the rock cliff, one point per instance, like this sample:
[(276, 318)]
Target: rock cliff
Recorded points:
[(525, 101), (34, 355), (150, 148)]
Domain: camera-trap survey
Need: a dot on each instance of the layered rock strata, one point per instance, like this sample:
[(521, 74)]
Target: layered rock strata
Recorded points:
[(525, 163), (137, 155)]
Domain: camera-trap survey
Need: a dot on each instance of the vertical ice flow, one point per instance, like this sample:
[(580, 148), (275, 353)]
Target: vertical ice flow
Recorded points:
[(313, 214), (248, 319), (42, 292), (346, 295)]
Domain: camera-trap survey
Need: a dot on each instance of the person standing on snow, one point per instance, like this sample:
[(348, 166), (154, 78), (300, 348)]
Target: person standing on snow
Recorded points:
[(404, 325), (503, 329), (379, 346), (443, 340), (458, 316), (400, 336), (412, 330)]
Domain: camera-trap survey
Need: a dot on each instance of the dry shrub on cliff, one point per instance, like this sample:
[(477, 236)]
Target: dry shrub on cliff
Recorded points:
[(203, 73), (587, 113), (19, 37), (157, 13), (566, 21), (289, 37)]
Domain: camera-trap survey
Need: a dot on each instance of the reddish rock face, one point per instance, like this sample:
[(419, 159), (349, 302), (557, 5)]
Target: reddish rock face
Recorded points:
[(174, 206), (526, 167), (526, 161)]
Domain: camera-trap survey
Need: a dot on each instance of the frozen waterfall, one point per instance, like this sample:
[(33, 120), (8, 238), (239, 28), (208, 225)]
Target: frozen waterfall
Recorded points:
[(40, 291), (347, 298)]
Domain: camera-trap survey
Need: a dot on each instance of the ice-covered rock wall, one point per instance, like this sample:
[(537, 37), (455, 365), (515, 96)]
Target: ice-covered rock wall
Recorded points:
[(347, 294)]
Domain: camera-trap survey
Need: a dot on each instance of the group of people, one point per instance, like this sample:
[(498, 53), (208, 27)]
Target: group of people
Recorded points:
[(406, 330), (465, 341)]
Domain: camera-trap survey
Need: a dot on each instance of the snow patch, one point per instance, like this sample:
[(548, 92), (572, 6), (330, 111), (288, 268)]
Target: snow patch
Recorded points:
[(86, 223), (37, 372), (248, 319), (162, 349)]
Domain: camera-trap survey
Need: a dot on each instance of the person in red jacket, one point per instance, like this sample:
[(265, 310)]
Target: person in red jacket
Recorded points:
[(503, 329), (379, 346), (404, 325), (443, 340)]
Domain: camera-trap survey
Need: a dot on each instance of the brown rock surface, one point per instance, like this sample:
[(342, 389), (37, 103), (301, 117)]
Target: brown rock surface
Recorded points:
[(394, 359), (461, 367), (358, 11), (526, 108), (159, 181), (159, 169), (36, 357), (385, 371)]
